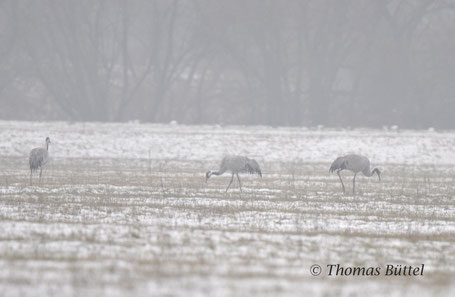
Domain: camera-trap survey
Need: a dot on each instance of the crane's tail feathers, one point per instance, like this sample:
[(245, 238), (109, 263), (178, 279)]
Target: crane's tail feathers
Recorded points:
[(252, 167), (259, 173), (338, 164)]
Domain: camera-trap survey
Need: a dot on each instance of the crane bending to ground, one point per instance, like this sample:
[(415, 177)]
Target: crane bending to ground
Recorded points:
[(236, 165), (38, 158), (356, 164)]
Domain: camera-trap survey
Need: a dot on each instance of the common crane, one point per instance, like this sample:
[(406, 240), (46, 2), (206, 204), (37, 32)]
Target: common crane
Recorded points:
[(236, 165), (356, 164), (38, 158)]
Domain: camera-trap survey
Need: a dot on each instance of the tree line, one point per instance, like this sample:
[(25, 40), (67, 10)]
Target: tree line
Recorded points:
[(294, 62)]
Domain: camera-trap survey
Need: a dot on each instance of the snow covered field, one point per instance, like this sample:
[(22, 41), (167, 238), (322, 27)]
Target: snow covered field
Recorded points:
[(123, 210)]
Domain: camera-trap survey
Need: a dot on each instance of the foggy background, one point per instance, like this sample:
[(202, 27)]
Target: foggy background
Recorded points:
[(295, 62)]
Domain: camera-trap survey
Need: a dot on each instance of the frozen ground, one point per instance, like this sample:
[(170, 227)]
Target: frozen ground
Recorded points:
[(123, 210), (138, 141)]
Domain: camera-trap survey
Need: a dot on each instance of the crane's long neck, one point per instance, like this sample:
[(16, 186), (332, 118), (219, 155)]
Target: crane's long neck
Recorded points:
[(370, 173), (220, 172), (47, 146), (210, 173)]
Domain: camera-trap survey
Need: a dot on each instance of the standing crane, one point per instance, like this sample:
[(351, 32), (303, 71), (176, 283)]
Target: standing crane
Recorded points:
[(236, 165), (38, 158), (356, 164)]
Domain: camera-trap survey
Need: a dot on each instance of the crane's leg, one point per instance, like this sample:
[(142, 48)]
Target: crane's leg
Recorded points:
[(232, 178), (353, 184), (30, 177), (240, 183), (40, 172), (338, 172)]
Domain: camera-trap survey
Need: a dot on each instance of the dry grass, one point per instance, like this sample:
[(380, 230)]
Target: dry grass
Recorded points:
[(137, 227)]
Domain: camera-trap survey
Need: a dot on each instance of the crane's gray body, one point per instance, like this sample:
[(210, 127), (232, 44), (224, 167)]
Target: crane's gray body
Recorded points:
[(236, 165), (356, 164), (38, 158)]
